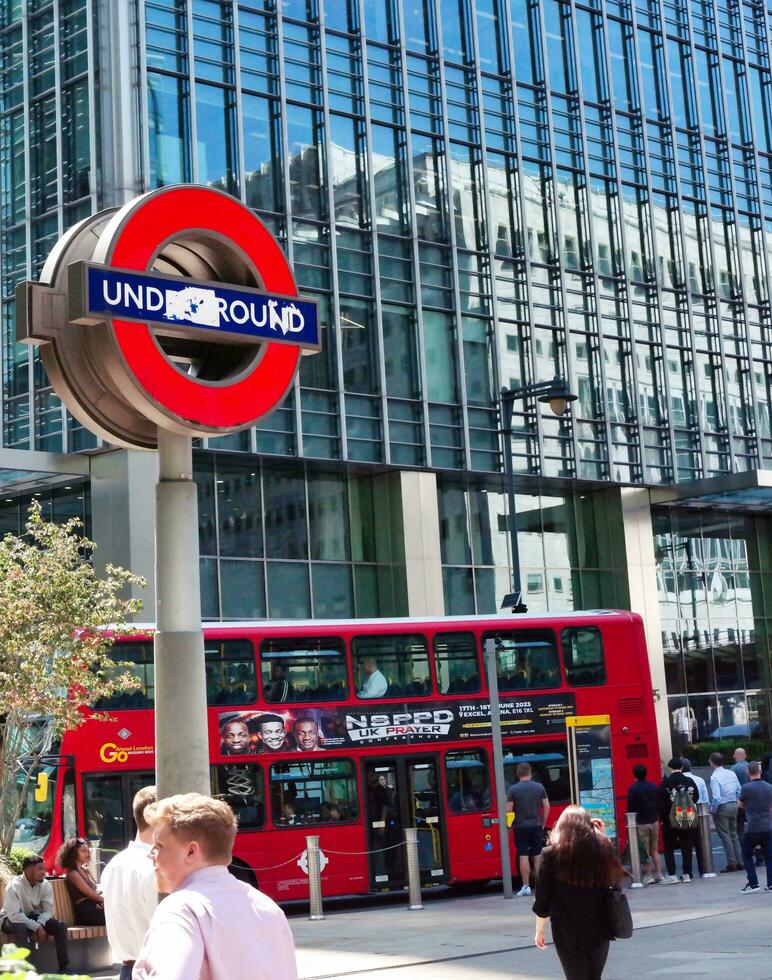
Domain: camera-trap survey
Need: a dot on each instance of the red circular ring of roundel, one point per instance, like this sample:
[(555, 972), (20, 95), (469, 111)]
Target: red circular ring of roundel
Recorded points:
[(163, 216)]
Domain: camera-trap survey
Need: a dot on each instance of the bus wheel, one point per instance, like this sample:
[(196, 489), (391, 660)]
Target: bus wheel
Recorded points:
[(241, 870)]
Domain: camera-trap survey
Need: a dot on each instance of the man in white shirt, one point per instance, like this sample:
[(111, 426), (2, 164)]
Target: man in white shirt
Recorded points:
[(28, 910), (129, 890), (211, 926), (375, 685)]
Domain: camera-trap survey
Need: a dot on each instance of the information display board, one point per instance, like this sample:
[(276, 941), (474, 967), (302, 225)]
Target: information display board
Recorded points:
[(590, 767)]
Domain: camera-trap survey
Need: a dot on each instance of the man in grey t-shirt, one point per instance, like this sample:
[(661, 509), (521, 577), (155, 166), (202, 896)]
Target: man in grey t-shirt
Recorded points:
[(528, 799), (756, 800)]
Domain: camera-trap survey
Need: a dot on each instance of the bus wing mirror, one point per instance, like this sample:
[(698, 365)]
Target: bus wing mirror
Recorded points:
[(41, 788)]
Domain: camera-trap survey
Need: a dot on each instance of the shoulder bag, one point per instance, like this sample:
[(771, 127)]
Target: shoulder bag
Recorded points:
[(620, 918)]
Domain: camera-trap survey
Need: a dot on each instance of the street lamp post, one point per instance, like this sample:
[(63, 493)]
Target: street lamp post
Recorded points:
[(557, 395)]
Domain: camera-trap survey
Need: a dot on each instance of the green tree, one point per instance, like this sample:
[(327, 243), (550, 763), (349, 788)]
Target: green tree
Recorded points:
[(58, 621)]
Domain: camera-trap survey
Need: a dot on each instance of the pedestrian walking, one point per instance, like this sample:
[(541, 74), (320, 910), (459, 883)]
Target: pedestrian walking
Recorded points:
[(28, 910), (572, 887), (129, 890), (642, 801), (704, 797), (725, 792), (210, 926), (756, 801), (678, 795), (527, 798)]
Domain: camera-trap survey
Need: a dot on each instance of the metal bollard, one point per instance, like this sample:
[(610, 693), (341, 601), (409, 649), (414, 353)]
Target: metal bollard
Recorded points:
[(635, 854), (413, 869), (704, 843), (95, 859), (315, 910)]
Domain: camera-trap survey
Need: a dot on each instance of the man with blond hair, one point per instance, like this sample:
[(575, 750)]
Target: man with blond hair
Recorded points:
[(211, 926), (129, 889)]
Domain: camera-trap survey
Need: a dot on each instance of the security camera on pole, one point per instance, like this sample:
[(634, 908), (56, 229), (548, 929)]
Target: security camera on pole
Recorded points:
[(174, 317)]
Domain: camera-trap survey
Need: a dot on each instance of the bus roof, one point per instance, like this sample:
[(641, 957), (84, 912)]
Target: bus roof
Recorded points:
[(502, 621)]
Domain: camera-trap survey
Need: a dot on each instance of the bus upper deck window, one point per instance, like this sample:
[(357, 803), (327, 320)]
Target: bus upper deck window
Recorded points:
[(583, 655), (140, 658), (391, 666), (230, 672), (456, 664), (303, 669), (526, 660)]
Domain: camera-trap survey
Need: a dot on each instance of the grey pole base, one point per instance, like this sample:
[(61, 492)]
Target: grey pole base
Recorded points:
[(704, 842), (315, 910), (413, 869), (489, 657), (635, 854), (181, 731)]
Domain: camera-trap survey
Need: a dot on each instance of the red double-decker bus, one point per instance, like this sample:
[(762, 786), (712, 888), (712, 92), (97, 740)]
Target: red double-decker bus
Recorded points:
[(357, 730)]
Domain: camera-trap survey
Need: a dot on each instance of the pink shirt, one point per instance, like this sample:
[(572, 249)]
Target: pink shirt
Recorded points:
[(214, 927)]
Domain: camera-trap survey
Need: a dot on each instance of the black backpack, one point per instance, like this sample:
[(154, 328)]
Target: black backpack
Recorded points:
[(683, 811)]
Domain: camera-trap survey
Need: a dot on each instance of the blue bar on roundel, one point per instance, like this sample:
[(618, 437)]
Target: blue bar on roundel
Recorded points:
[(210, 307)]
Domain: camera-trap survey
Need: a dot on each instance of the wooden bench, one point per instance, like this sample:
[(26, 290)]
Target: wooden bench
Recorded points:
[(92, 956)]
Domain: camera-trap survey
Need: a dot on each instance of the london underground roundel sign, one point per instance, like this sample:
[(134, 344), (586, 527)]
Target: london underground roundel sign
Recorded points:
[(179, 310)]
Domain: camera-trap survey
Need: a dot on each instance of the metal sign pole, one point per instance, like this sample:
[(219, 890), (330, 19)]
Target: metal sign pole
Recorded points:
[(498, 766), (181, 736)]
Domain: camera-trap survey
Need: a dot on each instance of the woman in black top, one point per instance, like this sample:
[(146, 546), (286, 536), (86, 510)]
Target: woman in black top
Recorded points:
[(87, 902), (574, 876)]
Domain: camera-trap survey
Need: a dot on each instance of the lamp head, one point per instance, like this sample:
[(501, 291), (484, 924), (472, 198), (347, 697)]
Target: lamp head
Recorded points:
[(557, 396)]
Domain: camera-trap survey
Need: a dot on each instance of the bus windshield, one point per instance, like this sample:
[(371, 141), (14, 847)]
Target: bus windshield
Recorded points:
[(33, 825)]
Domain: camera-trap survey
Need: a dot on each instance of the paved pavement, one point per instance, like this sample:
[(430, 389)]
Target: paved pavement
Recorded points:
[(705, 929)]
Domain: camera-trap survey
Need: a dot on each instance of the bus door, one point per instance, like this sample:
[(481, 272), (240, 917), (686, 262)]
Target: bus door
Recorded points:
[(404, 793), (107, 814)]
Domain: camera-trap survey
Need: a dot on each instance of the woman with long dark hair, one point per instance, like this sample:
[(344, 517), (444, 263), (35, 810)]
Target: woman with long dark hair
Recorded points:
[(88, 903), (572, 883)]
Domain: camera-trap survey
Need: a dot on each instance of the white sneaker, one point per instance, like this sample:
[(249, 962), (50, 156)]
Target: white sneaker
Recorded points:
[(686, 879), (524, 892), (648, 880), (669, 880)]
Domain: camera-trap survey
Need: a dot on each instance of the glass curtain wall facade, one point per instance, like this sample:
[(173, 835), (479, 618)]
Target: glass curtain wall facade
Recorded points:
[(715, 593), (479, 193), (475, 197), (48, 181)]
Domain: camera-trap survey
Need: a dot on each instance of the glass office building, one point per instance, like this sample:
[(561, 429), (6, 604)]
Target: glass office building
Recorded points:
[(480, 193)]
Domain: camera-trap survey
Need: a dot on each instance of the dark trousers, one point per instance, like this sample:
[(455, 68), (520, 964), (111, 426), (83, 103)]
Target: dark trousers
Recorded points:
[(748, 844), (89, 913), (581, 964), (125, 973), (685, 841), (55, 928)]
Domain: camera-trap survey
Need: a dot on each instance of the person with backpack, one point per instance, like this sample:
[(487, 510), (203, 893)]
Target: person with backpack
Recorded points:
[(677, 800), (725, 792)]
